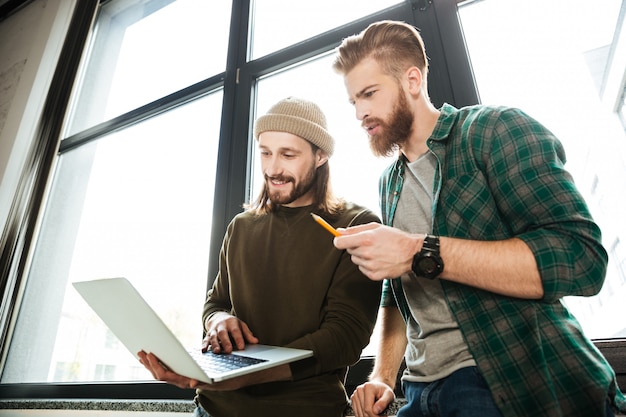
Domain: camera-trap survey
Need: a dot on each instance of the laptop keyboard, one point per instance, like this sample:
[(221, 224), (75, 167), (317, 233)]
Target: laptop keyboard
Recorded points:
[(220, 362)]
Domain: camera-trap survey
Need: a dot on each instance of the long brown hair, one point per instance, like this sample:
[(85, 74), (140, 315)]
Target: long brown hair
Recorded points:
[(396, 46), (324, 200)]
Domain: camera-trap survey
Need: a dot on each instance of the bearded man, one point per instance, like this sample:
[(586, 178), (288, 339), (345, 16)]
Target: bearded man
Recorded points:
[(282, 282), (484, 233)]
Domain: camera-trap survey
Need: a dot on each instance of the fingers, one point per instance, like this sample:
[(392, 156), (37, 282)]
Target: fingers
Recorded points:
[(161, 373), (206, 344), (216, 344), (380, 251), (227, 333), (220, 333), (143, 359), (153, 364), (358, 228), (371, 399), (247, 333), (355, 237), (382, 401), (362, 402), (225, 337)]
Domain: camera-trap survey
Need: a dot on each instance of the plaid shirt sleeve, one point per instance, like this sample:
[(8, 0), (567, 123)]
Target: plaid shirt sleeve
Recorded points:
[(524, 162), (503, 176)]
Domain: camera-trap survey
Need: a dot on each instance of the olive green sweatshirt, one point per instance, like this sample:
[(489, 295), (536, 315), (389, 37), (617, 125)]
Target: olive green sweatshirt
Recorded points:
[(281, 274)]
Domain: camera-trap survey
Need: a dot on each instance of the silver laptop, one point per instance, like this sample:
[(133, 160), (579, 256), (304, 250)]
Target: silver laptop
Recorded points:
[(138, 327)]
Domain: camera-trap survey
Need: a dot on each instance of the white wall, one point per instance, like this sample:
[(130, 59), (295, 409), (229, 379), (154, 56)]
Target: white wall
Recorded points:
[(31, 42)]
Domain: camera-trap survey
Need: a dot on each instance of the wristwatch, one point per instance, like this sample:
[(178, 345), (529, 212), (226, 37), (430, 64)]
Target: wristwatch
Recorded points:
[(427, 263)]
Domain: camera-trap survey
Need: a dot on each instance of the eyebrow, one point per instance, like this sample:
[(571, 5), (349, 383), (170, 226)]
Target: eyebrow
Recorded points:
[(362, 92), (281, 149)]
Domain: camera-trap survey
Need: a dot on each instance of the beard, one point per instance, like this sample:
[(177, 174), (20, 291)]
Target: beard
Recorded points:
[(299, 188), (394, 133)]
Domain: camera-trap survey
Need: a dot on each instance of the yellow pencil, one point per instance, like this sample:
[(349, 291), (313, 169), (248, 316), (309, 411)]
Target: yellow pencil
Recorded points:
[(325, 225)]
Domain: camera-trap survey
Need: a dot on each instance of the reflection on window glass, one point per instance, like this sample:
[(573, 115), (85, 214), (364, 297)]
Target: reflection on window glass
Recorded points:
[(552, 59), (354, 170), (135, 204), (279, 23), (144, 50)]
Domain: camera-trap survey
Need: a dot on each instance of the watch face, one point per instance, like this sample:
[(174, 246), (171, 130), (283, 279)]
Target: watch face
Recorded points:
[(428, 265)]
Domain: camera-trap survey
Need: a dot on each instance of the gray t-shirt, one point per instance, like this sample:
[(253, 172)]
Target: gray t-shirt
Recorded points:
[(436, 347)]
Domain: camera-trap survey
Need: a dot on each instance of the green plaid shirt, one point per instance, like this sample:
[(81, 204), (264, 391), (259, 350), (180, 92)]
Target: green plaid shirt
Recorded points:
[(500, 174)]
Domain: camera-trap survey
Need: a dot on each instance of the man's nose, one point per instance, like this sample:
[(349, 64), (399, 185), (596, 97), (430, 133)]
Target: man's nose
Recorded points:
[(273, 167), (361, 111)]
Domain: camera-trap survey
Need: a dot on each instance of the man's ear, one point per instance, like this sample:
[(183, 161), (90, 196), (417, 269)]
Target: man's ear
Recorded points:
[(321, 157), (414, 78)]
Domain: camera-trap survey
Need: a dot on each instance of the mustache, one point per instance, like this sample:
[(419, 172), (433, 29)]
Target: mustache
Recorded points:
[(371, 121), (281, 178)]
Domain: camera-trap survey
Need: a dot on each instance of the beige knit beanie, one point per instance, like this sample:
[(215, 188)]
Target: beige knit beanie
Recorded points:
[(298, 117)]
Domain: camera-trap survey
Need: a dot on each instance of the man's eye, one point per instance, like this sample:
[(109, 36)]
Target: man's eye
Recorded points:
[(369, 93)]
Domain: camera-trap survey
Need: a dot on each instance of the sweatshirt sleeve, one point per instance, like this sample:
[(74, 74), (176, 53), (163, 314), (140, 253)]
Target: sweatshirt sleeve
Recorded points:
[(350, 315), (218, 297)]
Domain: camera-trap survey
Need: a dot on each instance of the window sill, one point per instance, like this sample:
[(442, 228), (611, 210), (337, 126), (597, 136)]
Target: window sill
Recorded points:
[(152, 406)]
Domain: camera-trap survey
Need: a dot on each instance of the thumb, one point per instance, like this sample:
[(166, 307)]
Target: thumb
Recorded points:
[(383, 402), (358, 228)]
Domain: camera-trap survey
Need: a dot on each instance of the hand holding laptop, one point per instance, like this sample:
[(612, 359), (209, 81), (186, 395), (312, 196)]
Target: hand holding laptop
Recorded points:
[(225, 334), (145, 335), (161, 373)]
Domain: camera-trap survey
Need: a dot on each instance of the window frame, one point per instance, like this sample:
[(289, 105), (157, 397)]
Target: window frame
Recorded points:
[(621, 108)]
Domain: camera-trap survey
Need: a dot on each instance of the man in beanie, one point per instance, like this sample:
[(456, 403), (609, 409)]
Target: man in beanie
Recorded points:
[(282, 282)]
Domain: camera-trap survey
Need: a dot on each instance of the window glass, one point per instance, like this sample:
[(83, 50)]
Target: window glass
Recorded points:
[(622, 108), (277, 24), (551, 59), (354, 169), (146, 49), (136, 204)]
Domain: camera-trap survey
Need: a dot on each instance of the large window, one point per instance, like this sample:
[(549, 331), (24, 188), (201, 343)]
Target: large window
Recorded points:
[(278, 23), (157, 155), (134, 203), (133, 200), (142, 51), (554, 59)]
